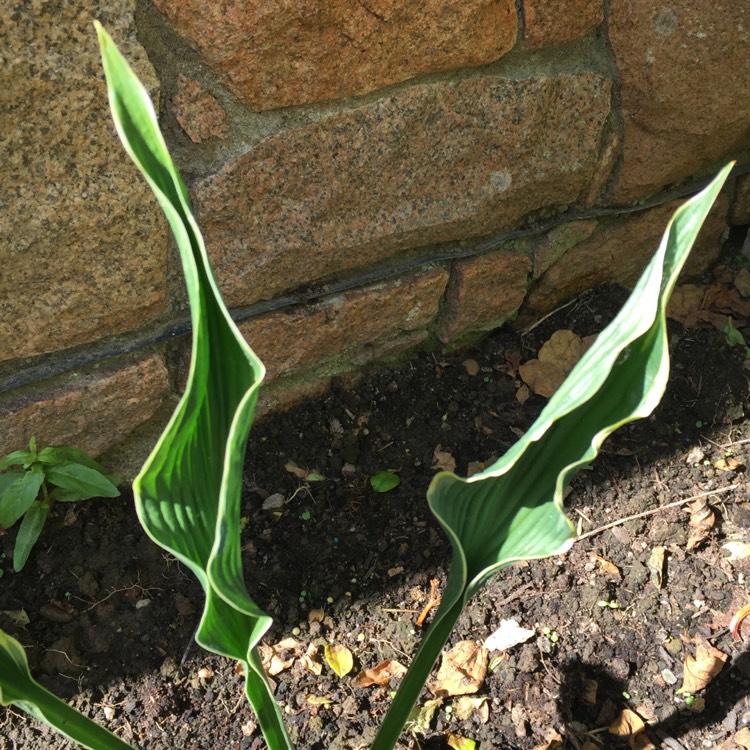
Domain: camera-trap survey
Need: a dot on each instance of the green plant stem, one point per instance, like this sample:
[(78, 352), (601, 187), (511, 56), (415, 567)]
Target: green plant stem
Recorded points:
[(421, 666), (73, 724)]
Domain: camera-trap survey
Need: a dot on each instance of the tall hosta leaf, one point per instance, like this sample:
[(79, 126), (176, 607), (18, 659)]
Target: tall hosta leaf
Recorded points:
[(18, 688), (188, 492), (513, 510)]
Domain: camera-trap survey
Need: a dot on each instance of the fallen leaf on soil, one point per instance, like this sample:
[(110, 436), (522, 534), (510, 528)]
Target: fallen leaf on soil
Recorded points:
[(443, 460), (466, 705), (608, 567), (457, 742), (702, 520), (523, 394), (563, 348), (656, 565), (695, 455), (422, 717), (728, 464), (280, 656), (629, 724), (298, 472), (381, 674), (309, 662), (315, 615), (742, 738), (472, 367), (509, 634), (474, 467), (737, 550), (513, 359), (737, 620), (462, 670), (339, 659), (700, 670), (319, 700), (544, 378), (395, 571)]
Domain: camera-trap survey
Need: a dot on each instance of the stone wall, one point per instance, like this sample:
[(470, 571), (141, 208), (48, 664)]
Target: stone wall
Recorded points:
[(371, 177)]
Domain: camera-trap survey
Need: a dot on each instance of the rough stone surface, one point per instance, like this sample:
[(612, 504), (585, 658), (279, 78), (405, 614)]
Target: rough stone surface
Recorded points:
[(285, 397), (199, 113), (552, 246), (550, 22), (83, 244), (684, 70), (279, 54), (484, 293), (289, 341), (432, 163), (617, 252), (740, 213), (92, 410)]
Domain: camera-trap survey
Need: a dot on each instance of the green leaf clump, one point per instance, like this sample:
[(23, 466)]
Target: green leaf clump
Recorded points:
[(32, 481)]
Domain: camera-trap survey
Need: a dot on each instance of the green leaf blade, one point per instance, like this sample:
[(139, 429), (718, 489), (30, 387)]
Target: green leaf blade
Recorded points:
[(513, 510), (188, 493), (16, 458), (81, 482), (17, 496), (28, 534), (18, 688)]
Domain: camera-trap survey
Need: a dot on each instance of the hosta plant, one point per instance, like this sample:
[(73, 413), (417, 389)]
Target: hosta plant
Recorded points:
[(188, 492)]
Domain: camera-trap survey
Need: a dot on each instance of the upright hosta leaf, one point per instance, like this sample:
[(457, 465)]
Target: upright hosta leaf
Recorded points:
[(513, 510), (18, 688), (188, 492)]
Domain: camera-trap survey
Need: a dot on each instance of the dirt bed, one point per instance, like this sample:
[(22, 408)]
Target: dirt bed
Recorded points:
[(112, 616)]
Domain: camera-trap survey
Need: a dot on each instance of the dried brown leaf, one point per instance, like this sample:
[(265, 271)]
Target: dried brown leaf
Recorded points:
[(472, 367), (702, 520), (543, 378), (298, 472), (523, 393), (310, 662), (737, 620), (608, 567), (700, 670), (563, 348), (627, 724), (656, 565), (728, 464), (462, 670), (443, 460), (381, 674), (466, 705), (315, 615)]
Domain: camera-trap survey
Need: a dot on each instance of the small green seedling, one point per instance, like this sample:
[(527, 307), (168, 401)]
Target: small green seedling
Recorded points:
[(604, 604), (32, 481), (384, 481), (551, 635), (734, 337)]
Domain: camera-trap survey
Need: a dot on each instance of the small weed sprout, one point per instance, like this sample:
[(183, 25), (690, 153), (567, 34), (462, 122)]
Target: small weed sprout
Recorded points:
[(32, 480)]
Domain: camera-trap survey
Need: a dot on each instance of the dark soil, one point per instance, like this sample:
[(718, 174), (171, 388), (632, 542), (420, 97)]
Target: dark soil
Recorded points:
[(112, 616)]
